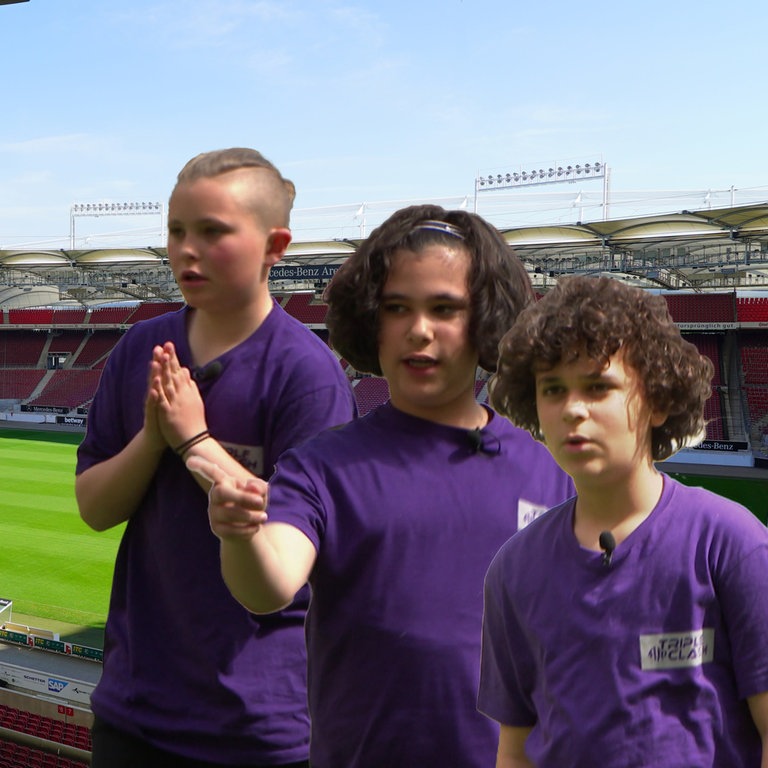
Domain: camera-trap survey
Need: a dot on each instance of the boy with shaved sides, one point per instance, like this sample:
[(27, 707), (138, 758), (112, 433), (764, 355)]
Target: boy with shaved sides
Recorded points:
[(191, 679)]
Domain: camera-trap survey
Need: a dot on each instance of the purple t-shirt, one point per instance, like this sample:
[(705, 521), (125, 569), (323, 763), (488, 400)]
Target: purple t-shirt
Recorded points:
[(646, 661), (406, 516), (186, 667)]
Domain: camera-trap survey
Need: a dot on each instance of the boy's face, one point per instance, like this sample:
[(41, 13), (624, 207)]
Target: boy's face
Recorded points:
[(596, 423), (424, 348), (219, 250)]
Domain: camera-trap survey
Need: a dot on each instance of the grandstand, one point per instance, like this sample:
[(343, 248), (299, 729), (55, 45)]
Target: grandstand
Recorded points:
[(50, 742), (49, 367), (711, 266), (43, 730)]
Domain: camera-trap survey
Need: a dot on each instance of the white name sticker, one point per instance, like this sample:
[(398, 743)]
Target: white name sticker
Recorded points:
[(677, 650), (527, 512)]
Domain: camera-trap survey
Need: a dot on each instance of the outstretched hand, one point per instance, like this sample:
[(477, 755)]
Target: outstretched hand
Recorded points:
[(236, 508)]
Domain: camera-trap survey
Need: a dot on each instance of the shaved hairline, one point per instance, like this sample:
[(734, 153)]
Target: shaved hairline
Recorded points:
[(270, 197)]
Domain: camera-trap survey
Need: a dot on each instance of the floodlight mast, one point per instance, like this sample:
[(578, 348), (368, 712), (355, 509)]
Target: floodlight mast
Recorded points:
[(95, 210), (555, 173)]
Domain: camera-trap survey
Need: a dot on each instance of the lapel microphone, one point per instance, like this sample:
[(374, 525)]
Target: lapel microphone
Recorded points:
[(475, 440), (207, 372), (607, 544), (483, 443)]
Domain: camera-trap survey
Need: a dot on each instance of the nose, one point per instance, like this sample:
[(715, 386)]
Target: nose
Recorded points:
[(183, 245), (187, 250), (420, 328), (575, 409)]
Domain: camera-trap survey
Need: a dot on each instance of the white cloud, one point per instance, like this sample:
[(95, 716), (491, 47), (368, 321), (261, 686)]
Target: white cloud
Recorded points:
[(72, 142)]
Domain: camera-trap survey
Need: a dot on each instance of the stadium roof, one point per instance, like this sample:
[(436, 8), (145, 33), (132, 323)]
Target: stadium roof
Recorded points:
[(744, 223), (704, 249)]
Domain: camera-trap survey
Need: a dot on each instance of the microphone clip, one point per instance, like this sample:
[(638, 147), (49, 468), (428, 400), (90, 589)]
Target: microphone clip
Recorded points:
[(207, 372), (608, 545), (480, 442)]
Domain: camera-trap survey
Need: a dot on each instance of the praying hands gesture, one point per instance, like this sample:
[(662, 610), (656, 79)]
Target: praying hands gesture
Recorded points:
[(174, 399), (110, 491), (179, 407)]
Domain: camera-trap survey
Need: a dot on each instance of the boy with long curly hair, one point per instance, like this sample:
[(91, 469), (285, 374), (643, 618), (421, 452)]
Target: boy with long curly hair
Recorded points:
[(627, 626)]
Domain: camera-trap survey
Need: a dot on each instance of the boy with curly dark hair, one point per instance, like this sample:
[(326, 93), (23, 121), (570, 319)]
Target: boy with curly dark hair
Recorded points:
[(625, 627)]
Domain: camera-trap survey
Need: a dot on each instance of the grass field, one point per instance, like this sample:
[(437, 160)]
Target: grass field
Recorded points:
[(752, 493), (58, 571), (52, 565)]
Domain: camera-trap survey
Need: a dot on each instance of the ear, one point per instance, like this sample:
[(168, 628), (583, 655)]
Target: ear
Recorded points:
[(278, 241), (658, 418)]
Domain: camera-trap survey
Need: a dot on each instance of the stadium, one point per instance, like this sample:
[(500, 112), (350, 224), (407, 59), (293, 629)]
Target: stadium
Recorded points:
[(63, 310)]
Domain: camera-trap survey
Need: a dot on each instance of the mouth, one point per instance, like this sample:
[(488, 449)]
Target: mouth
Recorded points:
[(188, 276), (575, 441), (420, 362)]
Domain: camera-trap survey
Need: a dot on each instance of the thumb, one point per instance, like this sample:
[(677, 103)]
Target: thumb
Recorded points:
[(209, 471)]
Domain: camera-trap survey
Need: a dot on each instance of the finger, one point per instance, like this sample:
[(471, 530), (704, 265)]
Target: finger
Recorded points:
[(155, 371), (155, 391), (236, 517), (152, 369), (169, 377), (173, 358), (256, 486)]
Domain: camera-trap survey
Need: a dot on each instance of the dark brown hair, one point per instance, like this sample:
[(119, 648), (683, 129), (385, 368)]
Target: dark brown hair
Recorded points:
[(599, 317), (499, 287)]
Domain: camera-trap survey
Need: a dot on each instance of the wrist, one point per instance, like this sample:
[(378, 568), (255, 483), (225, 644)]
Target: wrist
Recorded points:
[(152, 439), (182, 449)]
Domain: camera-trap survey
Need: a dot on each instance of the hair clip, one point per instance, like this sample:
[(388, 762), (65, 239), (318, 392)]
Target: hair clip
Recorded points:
[(440, 226)]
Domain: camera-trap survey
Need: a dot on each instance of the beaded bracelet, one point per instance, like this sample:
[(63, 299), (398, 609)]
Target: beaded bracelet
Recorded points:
[(193, 441)]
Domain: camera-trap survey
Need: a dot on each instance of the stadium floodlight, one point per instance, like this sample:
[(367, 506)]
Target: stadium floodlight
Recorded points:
[(79, 210), (554, 173), (111, 209)]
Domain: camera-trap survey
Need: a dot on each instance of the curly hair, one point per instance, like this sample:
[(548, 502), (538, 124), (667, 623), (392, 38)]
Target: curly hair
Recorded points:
[(597, 317), (281, 191), (499, 287)]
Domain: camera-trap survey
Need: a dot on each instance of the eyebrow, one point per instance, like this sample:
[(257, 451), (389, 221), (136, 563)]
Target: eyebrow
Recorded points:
[(548, 379), (432, 297)]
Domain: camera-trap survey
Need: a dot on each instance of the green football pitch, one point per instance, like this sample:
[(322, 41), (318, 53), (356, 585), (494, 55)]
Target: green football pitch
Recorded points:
[(52, 566), (56, 570)]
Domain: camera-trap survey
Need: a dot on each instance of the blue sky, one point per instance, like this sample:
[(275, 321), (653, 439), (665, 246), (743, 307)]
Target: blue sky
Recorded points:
[(363, 100)]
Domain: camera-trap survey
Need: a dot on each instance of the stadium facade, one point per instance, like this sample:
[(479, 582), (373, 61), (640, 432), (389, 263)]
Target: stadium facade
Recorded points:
[(61, 311)]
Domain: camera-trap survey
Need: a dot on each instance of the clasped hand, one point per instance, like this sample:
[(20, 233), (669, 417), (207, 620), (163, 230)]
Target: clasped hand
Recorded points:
[(236, 508)]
